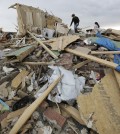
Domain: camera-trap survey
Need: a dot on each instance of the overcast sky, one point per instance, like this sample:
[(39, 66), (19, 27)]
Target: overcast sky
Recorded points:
[(105, 12)]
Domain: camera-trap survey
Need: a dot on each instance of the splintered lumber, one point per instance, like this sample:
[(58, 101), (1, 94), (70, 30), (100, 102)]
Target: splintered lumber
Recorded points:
[(72, 112), (79, 65), (28, 112), (38, 63), (93, 58), (104, 103), (18, 79), (105, 52), (41, 43), (20, 54)]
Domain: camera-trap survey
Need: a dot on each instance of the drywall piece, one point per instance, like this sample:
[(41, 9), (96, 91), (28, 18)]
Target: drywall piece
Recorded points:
[(93, 58), (28, 112), (105, 52), (72, 112), (61, 42), (44, 46), (18, 79), (20, 54), (104, 103), (81, 64)]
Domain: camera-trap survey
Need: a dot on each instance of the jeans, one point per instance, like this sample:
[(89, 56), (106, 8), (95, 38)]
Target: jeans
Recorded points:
[(75, 27)]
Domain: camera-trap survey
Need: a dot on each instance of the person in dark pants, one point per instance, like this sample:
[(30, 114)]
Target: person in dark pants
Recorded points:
[(76, 21)]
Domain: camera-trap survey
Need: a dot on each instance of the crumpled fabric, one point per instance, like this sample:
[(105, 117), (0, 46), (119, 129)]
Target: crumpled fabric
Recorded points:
[(70, 86)]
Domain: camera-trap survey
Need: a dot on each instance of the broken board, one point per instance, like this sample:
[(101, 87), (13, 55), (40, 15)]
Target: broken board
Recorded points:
[(104, 102), (18, 79), (20, 54), (61, 42)]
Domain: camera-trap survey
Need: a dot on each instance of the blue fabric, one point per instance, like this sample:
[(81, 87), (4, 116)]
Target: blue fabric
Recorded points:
[(107, 43)]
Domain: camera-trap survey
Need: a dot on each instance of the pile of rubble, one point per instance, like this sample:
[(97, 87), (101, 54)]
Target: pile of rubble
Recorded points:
[(54, 83)]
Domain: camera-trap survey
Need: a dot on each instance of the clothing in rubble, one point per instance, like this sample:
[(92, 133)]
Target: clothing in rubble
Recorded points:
[(76, 21)]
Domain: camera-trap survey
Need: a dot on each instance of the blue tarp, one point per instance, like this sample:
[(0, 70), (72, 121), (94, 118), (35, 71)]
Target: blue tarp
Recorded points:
[(105, 42), (110, 45)]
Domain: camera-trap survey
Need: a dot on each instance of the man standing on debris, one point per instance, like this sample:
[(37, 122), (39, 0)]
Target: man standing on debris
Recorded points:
[(76, 21)]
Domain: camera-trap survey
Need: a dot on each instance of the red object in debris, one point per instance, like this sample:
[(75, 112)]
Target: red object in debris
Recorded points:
[(54, 117)]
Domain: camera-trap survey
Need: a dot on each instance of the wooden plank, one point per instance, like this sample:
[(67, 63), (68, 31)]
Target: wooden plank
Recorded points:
[(26, 53), (41, 43), (38, 63), (105, 52), (18, 79), (28, 112), (104, 102), (93, 58), (73, 113), (20, 54), (81, 64)]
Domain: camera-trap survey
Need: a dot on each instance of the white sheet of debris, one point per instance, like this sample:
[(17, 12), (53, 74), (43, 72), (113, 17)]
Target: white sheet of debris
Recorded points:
[(70, 86)]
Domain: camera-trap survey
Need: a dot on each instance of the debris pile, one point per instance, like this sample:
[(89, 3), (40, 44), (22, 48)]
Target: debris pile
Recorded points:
[(54, 82)]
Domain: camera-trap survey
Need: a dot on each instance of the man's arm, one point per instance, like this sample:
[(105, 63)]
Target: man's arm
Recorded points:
[(71, 22)]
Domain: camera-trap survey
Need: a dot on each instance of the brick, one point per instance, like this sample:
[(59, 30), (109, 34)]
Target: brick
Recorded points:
[(54, 118)]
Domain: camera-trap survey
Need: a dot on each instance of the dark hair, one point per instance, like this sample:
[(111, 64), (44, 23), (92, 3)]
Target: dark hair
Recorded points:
[(97, 24), (73, 15)]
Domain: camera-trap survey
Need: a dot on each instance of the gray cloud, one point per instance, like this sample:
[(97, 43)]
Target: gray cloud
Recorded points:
[(106, 12)]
